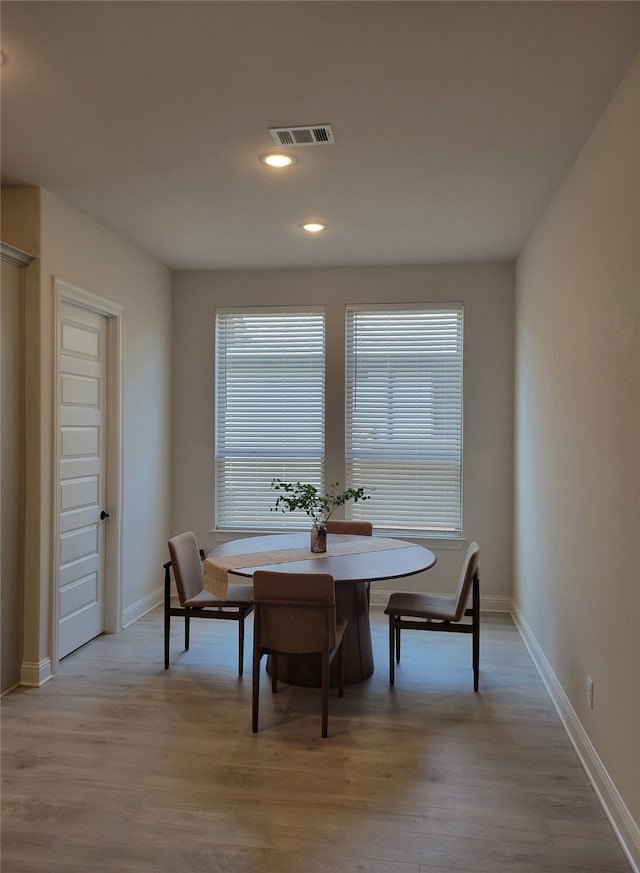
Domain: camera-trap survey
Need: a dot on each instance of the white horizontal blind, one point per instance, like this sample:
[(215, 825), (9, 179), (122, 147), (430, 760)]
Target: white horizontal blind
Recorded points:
[(404, 416), (269, 411)]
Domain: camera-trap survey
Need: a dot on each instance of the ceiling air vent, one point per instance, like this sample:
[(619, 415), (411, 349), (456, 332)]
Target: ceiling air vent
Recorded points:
[(313, 134)]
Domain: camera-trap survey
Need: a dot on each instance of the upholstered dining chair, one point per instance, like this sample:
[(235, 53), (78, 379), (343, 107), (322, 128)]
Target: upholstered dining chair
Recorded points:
[(357, 528), (431, 612), (195, 602), (295, 614)]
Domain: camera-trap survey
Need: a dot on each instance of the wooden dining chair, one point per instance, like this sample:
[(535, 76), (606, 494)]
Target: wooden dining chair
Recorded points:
[(431, 612), (356, 528), (295, 614), (195, 602)]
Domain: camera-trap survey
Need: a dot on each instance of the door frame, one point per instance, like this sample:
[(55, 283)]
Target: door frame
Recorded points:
[(21, 260), (65, 292)]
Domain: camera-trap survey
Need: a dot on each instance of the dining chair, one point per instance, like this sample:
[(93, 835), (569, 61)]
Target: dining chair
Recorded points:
[(432, 612), (295, 614), (195, 602), (357, 528)]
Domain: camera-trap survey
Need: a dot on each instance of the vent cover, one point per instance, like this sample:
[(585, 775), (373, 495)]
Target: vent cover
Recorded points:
[(312, 134)]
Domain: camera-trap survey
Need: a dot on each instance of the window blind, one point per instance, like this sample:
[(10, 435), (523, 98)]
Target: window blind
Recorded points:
[(269, 418), (404, 416)]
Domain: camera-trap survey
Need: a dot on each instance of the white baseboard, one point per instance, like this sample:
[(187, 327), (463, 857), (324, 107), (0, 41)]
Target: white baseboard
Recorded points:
[(626, 829), (34, 674), (142, 607)]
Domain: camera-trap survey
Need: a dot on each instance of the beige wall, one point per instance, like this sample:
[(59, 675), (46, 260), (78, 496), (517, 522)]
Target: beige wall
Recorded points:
[(487, 293), (85, 254), (577, 505)]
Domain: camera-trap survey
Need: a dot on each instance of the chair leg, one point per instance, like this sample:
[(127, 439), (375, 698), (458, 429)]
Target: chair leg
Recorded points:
[(241, 618), (341, 670), (476, 630), (476, 659), (391, 651), (325, 692), (167, 636), (187, 622), (167, 616), (256, 687), (398, 640)]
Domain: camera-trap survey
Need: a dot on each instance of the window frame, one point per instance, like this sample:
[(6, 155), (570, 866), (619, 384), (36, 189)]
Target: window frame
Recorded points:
[(334, 462), (276, 464), (451, 524)]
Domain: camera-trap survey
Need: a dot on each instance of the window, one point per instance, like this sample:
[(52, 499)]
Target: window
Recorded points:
[(269, 415), (404, 416)]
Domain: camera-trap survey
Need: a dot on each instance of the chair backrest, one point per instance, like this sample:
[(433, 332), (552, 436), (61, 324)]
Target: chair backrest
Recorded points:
[(357, 528), (465, 581), (296, 611), (187, 566)]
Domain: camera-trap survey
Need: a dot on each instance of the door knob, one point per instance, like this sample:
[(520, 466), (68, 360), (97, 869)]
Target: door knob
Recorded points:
[(103, 515)]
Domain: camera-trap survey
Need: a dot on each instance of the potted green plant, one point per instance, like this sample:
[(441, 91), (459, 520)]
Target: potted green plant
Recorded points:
[(318, 506)]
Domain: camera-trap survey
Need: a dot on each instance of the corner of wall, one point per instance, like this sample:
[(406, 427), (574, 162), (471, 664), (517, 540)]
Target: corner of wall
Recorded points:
[(20, 219)]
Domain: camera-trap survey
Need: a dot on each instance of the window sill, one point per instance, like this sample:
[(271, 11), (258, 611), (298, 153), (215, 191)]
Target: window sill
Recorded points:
[(452, 543)]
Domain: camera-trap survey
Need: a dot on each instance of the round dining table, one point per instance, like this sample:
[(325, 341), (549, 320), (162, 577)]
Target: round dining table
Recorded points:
[(354, 562)]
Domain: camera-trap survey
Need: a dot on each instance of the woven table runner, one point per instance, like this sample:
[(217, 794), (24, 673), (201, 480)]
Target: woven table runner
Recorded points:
[(216, 569)]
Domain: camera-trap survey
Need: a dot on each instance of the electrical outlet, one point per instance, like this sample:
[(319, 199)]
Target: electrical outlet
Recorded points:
[(589, 692)]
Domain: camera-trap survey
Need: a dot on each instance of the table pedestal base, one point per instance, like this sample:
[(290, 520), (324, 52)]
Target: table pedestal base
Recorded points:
[(352, 603)]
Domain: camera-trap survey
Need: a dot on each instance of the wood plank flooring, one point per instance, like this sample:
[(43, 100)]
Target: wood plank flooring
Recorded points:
[(117, 766)]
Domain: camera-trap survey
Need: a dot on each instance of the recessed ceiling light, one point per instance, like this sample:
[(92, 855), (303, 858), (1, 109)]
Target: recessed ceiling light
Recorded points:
[(313, 227), (278, 159)]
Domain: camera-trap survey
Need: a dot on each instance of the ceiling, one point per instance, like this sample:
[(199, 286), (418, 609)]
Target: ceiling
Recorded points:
[(454, 122)]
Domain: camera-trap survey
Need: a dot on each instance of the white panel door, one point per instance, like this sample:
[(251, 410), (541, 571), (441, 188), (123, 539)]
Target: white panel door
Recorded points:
[(81, 497)]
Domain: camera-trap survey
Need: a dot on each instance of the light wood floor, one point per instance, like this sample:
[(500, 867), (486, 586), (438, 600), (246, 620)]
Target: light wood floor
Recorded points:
[(118, 766)]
